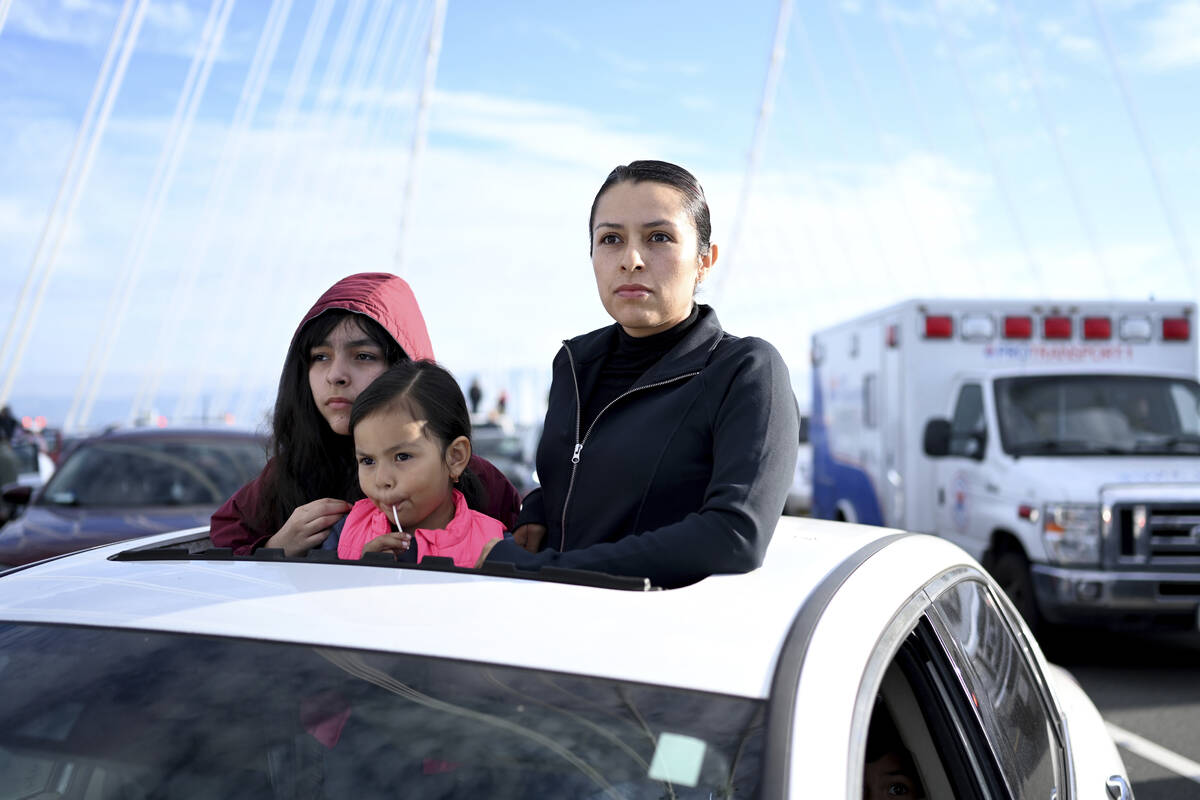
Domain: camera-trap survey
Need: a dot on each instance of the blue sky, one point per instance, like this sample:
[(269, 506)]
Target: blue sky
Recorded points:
[(958, 147)]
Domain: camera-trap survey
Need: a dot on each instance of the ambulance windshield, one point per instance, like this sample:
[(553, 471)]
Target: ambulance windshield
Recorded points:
[(1098, 415)]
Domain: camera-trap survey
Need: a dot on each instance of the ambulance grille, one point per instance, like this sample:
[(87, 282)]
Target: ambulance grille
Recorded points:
[(1159, 533)]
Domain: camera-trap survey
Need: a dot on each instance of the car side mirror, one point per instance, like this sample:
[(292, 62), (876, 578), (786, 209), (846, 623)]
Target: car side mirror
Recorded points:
[(937, 438)]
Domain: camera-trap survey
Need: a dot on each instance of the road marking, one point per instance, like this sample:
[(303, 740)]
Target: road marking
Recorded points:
[(1153, 752)]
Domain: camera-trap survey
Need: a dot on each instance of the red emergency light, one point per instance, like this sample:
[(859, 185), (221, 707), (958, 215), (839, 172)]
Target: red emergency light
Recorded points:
[(1176, 329), (1018, 327), (941, 327), (1097, 328), (1056, 327)]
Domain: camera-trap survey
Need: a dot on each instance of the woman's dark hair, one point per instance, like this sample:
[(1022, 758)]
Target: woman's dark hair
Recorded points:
[(427, 391), (310, 461), (671, 175)]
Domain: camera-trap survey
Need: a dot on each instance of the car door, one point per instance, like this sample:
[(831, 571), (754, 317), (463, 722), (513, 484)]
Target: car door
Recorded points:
[(961, 475), (961, 708)]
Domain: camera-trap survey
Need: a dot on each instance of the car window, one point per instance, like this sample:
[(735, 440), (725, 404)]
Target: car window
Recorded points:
[(994, 670), (155, 472), (141, 714)]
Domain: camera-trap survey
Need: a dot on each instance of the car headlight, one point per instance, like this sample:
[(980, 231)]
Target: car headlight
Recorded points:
[(1071, 532)]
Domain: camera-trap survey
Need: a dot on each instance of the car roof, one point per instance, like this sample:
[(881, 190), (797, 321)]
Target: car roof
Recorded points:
[(720, 635), (131, 434)]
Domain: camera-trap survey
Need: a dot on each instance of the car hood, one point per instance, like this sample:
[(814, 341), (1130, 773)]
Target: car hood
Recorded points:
[(46, 531), (1079, 478)]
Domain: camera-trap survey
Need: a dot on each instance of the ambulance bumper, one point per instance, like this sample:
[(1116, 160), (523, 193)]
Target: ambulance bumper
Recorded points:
[(1138, 599)]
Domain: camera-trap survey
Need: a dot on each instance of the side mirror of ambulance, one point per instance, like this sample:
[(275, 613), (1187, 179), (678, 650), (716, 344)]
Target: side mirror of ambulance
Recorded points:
[(937, 438)]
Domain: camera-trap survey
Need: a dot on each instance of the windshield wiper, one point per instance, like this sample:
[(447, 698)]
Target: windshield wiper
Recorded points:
[(1065, 447)]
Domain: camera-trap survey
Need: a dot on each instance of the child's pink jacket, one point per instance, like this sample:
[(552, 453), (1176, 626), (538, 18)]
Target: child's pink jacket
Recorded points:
[(462, 540)]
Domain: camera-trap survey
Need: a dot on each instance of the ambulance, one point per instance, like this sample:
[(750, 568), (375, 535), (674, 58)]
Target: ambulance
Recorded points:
[(1057, 442)]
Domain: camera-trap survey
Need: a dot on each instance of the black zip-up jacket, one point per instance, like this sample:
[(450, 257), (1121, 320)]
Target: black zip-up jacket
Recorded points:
[(682, 476)]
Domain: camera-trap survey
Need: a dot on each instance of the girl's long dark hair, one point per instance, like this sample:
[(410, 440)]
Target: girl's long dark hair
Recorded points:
[(427, 391), (308, 460)]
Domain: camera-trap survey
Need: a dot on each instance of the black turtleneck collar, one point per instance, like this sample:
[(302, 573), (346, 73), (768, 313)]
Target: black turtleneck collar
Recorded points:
[(627, 360)]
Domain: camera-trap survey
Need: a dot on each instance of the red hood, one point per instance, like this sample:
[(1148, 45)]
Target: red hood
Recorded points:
[(383, 297)]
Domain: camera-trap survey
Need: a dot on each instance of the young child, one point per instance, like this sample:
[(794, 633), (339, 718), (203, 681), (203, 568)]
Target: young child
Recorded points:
[(412, 441)]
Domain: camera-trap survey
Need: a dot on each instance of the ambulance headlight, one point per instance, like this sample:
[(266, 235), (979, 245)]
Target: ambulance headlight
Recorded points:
[(1071, 532)]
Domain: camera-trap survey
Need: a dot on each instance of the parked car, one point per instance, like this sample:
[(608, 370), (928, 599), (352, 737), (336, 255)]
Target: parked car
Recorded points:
[(163, 668), (123, 484), (510, 450)]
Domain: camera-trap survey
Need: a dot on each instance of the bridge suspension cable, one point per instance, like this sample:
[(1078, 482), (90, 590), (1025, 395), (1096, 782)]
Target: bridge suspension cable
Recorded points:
[(1017, 41), (111, 323), (432, 55), (762, 123), (1182, 247), (182, 294), (325, 161), (75, 178), (1002, 189), (265, 183)]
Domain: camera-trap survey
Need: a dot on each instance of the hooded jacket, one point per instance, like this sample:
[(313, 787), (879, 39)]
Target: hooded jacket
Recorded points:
[(682, 476), (388, 300)]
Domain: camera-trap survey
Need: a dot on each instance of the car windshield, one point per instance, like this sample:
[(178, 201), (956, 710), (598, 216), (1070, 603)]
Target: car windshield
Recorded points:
[(131, 714), (490, 443), (155, 472), (1098, 414)]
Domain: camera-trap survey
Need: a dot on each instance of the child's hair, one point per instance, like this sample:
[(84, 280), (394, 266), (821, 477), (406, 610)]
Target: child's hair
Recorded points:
[(309, 460), (427, 391)]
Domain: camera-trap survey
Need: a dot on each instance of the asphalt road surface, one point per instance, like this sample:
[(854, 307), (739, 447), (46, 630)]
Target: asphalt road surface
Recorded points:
[(1147, 687)]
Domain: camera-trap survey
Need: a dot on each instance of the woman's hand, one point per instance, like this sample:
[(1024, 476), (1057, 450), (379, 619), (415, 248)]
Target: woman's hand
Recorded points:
[(308, 526), (388, 543), (486, 551), (530, 536)]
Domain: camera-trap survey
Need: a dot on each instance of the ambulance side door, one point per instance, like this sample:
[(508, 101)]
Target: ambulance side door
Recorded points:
[(960, 491)]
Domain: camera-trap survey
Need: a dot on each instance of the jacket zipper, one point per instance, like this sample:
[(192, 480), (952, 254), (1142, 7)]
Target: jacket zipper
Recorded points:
[(579, 443)]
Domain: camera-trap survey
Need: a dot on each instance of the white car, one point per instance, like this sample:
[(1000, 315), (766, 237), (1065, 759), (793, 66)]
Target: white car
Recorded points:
[(158, 668)]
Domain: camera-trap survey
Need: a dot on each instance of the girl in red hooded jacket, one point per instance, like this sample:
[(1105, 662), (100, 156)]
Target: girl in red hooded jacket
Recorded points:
[(362, 325), (412, 439)]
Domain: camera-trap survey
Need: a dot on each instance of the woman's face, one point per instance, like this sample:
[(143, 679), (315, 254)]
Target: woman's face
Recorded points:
[(644, 254), (341, 366)]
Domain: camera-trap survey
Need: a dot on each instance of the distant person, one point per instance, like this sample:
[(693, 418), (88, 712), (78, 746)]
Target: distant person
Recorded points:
[(476, 394), (502, 403), (362, 325), (412, 439), (669, 444), (9, 465), (8, 423)]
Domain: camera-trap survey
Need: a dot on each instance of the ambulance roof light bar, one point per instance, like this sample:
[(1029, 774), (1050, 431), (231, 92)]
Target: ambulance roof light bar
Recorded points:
[(939, 326), (1135, 329), (1176, 329), (1018, 327), (978, 327), (1097, 328), (1056, 327)]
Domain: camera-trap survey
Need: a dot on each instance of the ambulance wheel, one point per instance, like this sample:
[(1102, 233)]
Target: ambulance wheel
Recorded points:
[(1011, 571)]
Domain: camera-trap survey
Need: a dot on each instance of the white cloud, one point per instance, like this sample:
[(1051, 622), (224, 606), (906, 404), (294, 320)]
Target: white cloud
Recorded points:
[(564, 134), (170, 26), (1073, 44), (1172, 39)]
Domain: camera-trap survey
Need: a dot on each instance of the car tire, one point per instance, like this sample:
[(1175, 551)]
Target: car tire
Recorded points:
[(1011, 571)]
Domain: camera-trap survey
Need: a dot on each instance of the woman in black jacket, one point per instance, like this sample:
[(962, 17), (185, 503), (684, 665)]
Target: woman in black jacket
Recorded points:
[(669, 445)]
